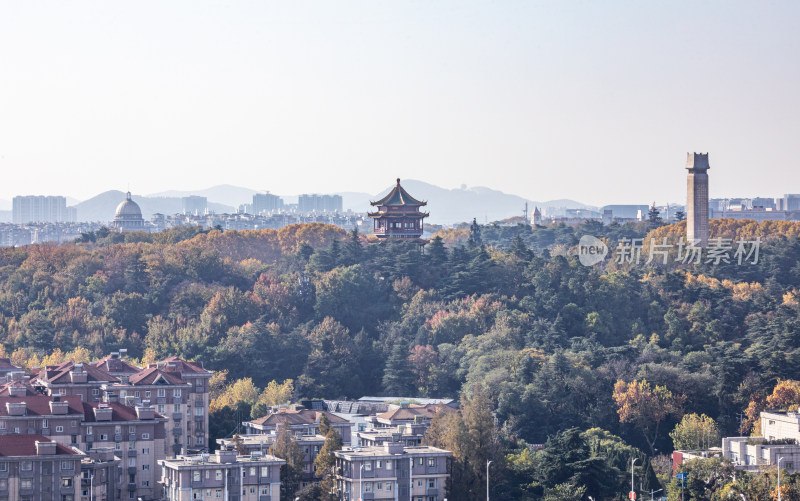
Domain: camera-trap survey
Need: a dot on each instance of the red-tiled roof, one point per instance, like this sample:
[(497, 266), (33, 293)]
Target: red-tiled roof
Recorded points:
[(297, 417), (6, 365), (410, 412), (116, 365), (5, 389), (183, 366), (25, 445), (151, 374), (59, 374), (119, 412), (39, 405)]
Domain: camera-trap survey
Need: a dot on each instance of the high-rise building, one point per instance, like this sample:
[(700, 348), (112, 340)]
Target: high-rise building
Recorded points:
[(789, 202), (39, 209), (319, 203), (697, 198), (194, 205), (266, 202)]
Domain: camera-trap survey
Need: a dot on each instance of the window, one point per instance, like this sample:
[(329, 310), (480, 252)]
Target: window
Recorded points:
[(176, 408), (379, 464), (118, 446), (252, 490), (219, 475), (176, 392), (66, 465), (136, 394), (789, 465), (196, 475), (379, 486), (44, 423), (103, 437), (3, 466), (26, 483), (145, 483), (74, 423), (198, 441), (208, 474), (161, 408), (118, 429), (265, 491), (367, 486), (367, 465), (265, 471), (3, 484), (388, 486), (147, 394), (218, 494), (431, 462), (131, 461), (146, 451), (431, 483), (389, 464), (145, 467), (162, 392), (421, 461), (95, 391), (252, 471), (145, 436), (59, 429), (66, 481), (2, 425)]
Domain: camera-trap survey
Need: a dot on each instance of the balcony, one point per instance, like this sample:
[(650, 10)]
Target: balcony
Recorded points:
[(131, 486), (131, 453), (431, 492), (118, 437), (177, 416), (198, 403), (177, 432), (264, 498), (86, 482), (199, 418), (45, 432), (132, 437), (131, 470)]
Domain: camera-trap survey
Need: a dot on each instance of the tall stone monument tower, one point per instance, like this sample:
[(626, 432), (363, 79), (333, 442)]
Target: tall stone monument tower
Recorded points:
[(697, 198)]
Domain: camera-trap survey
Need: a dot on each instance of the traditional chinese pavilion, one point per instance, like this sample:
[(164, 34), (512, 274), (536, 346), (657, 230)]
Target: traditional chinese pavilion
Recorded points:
[(398, 216)]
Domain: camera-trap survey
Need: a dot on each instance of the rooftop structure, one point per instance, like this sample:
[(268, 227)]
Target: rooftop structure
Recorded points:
[(399, 216), (128, 216)]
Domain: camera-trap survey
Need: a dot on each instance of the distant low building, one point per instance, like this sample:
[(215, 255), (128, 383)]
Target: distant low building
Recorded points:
[(33, 466), (298, 421)]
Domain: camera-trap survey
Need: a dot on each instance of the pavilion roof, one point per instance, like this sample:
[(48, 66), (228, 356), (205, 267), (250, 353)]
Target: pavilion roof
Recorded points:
[(399, 196)]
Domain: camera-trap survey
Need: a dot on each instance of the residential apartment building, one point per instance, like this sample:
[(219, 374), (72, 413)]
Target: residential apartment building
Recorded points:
[(299, 421), (392, 472), (69, 378), (100, 479), (170, 396), (197, 400), (41, 209), (224, 475), (37, 468), (56, 417), (310, 446), (755, 453)]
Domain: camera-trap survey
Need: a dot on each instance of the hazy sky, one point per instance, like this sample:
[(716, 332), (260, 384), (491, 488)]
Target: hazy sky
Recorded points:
[(597, 101)]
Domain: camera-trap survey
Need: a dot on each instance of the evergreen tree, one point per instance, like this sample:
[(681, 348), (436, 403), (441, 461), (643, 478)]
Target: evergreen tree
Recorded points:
[(654, 216), (398, 379), (325, 462), (288, 448), (680, 215), (474, 234)]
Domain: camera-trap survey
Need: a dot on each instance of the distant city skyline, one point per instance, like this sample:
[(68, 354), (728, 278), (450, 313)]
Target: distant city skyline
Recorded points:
[(594, 102)]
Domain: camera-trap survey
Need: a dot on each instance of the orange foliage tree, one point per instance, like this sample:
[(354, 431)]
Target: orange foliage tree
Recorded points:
[(646, 407)]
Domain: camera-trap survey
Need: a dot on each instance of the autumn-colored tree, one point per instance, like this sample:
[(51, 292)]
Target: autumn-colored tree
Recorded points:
[(785, 395), (242, 391), (646, 407), (695, 432)]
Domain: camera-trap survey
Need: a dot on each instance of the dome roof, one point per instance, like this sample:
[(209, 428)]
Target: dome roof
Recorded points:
[(128, 209)]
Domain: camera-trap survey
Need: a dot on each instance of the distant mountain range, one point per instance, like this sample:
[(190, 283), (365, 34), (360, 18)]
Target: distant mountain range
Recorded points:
[(446, 206), (103, 206)]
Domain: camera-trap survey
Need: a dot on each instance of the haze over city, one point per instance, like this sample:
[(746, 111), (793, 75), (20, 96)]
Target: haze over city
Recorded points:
[(597, 102)]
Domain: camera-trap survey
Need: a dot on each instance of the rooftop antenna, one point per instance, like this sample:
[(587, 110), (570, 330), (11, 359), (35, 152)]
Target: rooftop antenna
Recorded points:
[(525, 212)]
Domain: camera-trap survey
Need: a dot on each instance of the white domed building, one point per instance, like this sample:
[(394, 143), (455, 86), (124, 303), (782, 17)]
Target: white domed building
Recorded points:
[(128, 216)]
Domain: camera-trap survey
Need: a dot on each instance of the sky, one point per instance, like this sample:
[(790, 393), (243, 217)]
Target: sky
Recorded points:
[(593, 101)]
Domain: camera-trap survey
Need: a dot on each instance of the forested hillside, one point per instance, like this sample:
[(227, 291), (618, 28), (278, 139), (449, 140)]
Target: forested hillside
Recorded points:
[(502, 315)]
